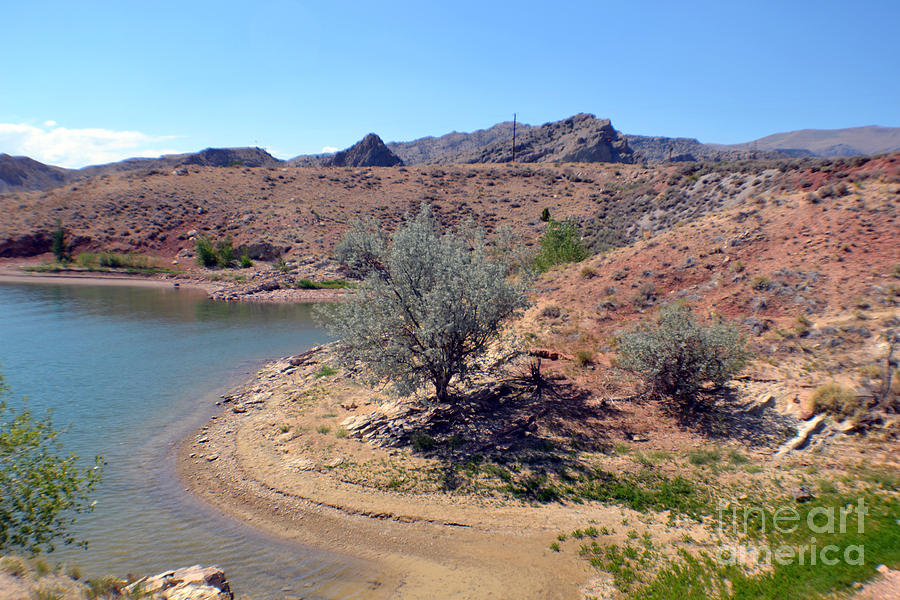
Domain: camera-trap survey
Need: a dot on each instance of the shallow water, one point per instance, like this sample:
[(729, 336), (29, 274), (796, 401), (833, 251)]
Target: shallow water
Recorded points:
[(130, 371)]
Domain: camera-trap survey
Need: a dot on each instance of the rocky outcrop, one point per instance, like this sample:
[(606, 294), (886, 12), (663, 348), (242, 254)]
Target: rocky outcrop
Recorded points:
[(230, 157), (263, 251), (26, 244), (368, 152), (21, 579), (187, 583), (453, 147), (582, 138)]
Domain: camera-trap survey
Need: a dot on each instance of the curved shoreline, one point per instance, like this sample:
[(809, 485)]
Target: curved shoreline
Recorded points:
[(212, 289), (463, 546)]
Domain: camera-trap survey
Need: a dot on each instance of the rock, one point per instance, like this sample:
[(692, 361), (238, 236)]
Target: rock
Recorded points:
[(580, 138), (368, 152), (763, 403), (805, 432), (883, 569), (27, 244), (195, 592), (544, 353), (802, 494), (212, 457), (639, 438), (301, 464), (187, 583), (263, 251)]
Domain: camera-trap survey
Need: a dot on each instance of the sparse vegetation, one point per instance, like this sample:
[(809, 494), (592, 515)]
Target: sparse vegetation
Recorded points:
[(59, 247), (560, 244), (428, 308), (42, 490), (836, 400), (212, 253), (676, 355), (327, 284)]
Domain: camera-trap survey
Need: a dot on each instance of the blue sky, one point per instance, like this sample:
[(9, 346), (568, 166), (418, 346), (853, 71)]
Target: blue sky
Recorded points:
[(88, 82)]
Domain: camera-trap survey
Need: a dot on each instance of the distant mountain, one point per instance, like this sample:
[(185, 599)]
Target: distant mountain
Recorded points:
[(580, 138), (20, 173), (830, 142), (454, 147), (655, 149), (368, 152)]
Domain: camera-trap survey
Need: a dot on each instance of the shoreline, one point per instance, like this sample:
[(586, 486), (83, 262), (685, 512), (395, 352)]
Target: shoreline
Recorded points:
[(214, 291), (464, 546)]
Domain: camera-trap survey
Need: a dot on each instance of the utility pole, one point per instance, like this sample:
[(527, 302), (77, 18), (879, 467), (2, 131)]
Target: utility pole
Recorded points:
[(514, 137)]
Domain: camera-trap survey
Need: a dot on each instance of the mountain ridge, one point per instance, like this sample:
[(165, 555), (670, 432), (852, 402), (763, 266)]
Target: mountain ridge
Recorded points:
[(580, 138)]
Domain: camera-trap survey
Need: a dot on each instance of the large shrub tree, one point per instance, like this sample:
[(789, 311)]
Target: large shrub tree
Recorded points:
[(676, 355), (430, 303), (41, 490)]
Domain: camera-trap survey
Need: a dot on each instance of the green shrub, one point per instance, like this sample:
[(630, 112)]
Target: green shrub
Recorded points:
[(584, 358), (225, 255), (58, 245), (760, 283), (246, 262), (837, 400), (560, 244), (545, 215), (206, 251), (676, 355), (86, 260), (327, 284), (42, 490)]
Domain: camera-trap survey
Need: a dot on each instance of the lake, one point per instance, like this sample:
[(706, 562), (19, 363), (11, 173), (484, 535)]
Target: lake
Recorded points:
[(129, 371)]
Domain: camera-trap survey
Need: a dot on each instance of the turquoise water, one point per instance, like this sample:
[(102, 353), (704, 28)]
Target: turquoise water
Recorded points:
[(129, 371)]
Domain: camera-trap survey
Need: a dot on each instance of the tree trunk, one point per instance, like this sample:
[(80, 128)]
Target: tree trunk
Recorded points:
[(442, 387)]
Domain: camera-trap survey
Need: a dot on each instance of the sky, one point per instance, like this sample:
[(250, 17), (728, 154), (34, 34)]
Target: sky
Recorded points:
[(92, 82)]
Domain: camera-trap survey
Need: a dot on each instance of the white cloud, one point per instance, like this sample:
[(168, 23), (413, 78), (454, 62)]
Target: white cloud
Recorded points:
[(329, 149), (75, 148)]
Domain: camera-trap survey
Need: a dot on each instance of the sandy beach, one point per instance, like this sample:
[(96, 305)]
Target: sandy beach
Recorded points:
[(425, 545)]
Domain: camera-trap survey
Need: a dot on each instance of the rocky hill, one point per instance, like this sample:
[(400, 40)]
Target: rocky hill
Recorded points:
[(657, 149), (453, 147), (23, 173), (368, 152), (831, 142), (581, 138), (20, 173)]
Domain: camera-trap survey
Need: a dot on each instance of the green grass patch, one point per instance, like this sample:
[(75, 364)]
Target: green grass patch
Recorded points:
[(103, 262), (325, 371), (326, 284), (703, 575)]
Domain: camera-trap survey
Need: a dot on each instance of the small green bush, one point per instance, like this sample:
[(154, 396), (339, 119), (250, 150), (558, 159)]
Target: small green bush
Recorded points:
[(206, 252), (225, 255), (560, 244), (676, 355), (584, 358), (215, 254), (837, 400), (760, 283), (246, 262)]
